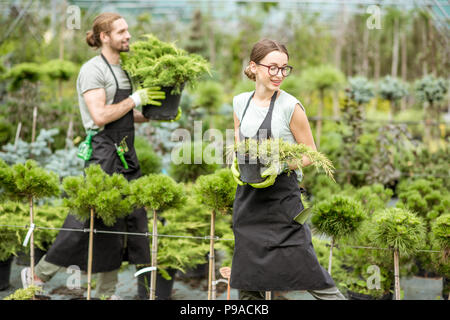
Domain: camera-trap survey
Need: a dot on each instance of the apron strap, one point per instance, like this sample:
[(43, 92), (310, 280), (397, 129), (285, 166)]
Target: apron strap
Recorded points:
[(109, 66), (246, 107)]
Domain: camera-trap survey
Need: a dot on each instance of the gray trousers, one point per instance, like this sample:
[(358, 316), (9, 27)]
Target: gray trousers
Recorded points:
[(332, 293), (106, 281)]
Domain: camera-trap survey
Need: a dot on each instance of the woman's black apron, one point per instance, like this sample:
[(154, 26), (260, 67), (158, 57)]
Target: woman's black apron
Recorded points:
[(109, 250), (272, 251)]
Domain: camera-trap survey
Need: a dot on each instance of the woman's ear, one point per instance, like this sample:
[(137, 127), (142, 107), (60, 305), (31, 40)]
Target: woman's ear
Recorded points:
[(252, 65)]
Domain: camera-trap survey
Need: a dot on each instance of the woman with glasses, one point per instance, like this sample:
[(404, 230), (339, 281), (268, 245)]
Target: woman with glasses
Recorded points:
[(272, 251)]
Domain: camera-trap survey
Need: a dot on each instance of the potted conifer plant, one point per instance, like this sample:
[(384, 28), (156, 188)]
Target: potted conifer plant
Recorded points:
[(399, 230), (108, 197), (156, 192), (216, 191), (338, 217), (27, 181), (154, 63)]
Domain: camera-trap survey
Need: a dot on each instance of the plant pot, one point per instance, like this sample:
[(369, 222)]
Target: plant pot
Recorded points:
[(361, 296), (163, 286), (250, 172), (169, 108), (422, 288), (23, 259), (5, 272), (199, 271)]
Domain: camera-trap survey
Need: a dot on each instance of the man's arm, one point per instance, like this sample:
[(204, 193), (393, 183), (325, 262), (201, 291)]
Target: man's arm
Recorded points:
[(101, 113), (139, 117)]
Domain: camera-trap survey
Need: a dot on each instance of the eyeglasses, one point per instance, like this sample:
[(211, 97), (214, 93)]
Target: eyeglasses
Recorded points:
[(273, 70)]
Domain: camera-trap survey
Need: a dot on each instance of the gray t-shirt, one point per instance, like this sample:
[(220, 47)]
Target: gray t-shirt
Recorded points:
[(281, 116), (94, 74)]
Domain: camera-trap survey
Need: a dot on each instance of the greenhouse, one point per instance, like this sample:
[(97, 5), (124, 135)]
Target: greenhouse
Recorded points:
[(224, 150)]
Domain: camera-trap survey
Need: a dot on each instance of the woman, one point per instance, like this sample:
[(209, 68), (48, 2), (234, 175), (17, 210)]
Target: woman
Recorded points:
[(272, 251)]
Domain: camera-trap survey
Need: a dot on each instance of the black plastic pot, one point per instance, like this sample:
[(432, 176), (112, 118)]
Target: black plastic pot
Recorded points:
[(250, 172), (169, 108), (5, 272), (198, 272), (361, 296), (163, 286)]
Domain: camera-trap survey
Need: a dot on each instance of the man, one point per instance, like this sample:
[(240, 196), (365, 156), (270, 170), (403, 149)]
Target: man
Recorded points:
[(108, 111)]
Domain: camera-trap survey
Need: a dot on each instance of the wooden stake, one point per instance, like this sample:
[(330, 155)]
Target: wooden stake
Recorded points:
[(33, 133), (31, 241), (91, 242), (268, 295), (19, 128), (396, 275), (154, 257), (212, 275), (330, 259)]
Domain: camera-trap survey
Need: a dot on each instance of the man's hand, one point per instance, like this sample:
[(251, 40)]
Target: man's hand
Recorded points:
[(147, 96)]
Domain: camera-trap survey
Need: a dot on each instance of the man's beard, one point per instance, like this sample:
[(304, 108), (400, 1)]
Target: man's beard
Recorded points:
[(120, 47)]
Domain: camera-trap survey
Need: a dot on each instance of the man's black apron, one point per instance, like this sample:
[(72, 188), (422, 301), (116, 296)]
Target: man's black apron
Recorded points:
[(109, 250), (272, 251)]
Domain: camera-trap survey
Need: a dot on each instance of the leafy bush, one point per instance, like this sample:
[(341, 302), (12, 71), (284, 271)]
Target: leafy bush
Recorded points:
[(109, 196), (216, 190), (194, 162), (338, 217), (398, 229), (360, 90), (11, 238), (24, 294), (157, 192), (149, 161)]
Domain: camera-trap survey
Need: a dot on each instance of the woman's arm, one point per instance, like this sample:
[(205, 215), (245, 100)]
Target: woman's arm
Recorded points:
[(236, 128), (302, 132)]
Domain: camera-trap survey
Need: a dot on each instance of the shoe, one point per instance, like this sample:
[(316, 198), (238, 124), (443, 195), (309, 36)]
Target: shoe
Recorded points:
[(25, 275)]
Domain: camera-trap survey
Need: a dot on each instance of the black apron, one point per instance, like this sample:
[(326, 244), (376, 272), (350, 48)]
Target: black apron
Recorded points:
[(109, 250), (272, 251)]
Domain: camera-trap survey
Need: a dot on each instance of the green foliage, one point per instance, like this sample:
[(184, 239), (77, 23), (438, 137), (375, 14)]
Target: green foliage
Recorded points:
[(273, 151), (323, 77), (149, 161), (428, 198), (27, 71), (12, 214), (209, 95), (217, 190), (360, 90), (392, 89), (441, 231), (59, 69), (338, 217), (398, 229), (194, 162), (157, 192), (6, 131), (24, 294), (372, 197), (152, 62), (108, 195), (431, 89), (28, 180)]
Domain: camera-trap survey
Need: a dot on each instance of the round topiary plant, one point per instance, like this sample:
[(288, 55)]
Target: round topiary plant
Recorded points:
[(28, 181), (441, 232), (97, 193), (216, 191), (338, 217), (156, 192), (399, 230)]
